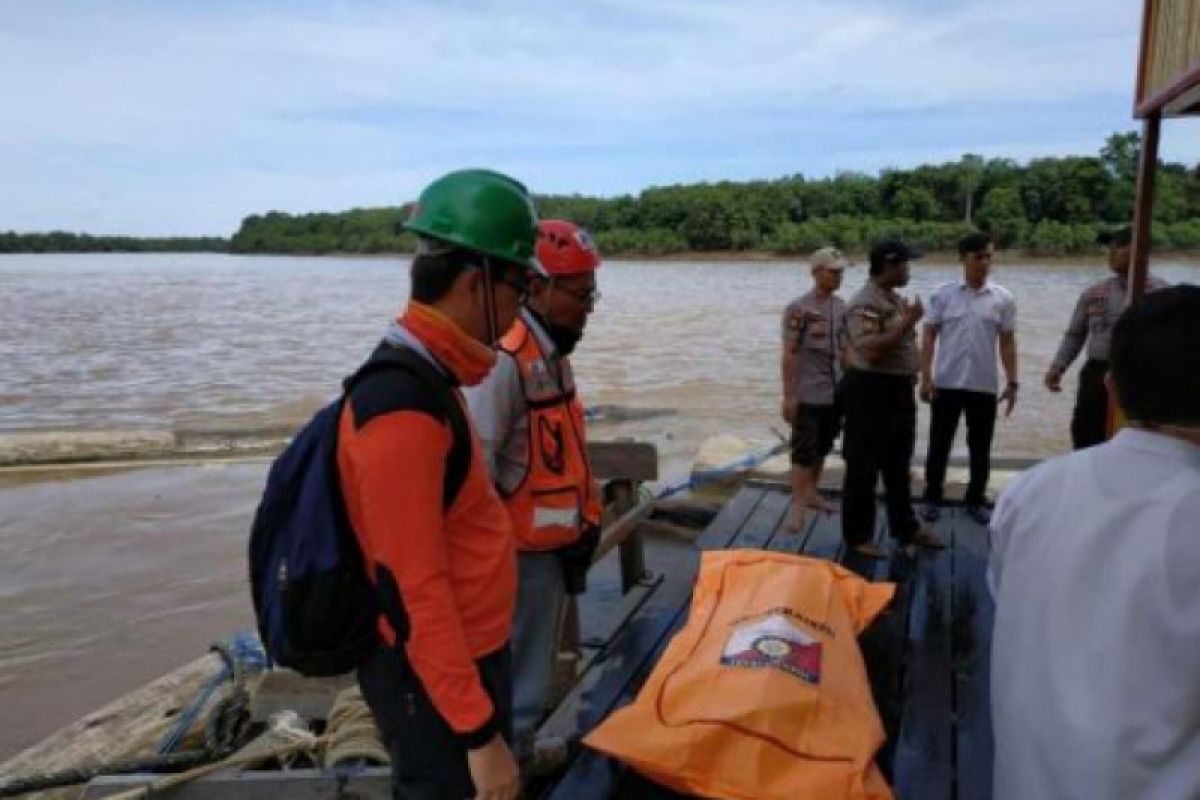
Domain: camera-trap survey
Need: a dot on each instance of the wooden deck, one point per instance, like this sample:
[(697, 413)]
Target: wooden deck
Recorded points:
[(927, 659), (927, 656)]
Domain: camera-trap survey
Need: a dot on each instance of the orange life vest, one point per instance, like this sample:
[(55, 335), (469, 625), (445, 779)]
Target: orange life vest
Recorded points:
[(555, 499)]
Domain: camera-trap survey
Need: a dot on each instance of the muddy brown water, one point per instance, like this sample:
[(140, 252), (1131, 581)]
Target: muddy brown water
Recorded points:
[(109, 580)]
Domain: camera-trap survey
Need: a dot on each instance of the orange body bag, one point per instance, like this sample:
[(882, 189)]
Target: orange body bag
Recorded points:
[(763, 693)]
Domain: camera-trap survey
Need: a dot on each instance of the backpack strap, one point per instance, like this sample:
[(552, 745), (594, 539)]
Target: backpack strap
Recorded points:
[(374, 390)]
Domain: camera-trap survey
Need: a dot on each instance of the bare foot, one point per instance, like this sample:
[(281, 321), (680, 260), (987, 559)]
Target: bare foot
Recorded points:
[(795, 519), (819, 503), (871, 550)]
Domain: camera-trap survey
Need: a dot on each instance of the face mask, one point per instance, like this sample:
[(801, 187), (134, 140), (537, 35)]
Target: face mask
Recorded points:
[(564, 339)]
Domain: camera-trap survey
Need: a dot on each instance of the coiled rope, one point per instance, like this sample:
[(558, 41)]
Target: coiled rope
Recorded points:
[(224, 728)]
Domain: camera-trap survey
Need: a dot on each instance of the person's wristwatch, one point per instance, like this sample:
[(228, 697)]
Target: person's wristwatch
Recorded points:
[(1014, 385)]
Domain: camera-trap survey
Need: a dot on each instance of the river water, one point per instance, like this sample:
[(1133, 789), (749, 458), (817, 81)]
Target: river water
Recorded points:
[(107, 581)]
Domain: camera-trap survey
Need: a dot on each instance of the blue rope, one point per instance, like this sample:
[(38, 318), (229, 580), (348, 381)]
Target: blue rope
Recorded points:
[(248, 653), (701, 477)]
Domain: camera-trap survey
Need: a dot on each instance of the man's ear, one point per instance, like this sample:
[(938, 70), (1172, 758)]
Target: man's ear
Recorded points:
[(469, 282), (538, 286)]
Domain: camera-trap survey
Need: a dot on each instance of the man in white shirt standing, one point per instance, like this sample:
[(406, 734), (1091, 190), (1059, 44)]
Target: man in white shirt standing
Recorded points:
[(1095, 569), (968, 321)]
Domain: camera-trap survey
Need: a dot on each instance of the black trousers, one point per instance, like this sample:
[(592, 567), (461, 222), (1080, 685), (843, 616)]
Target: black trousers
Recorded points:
[(980, 409), (429, 760), (880, 431), (1089, 422)]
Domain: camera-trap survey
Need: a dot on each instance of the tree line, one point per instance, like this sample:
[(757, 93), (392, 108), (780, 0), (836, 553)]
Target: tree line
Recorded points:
[(63, 242), (1049, 206)]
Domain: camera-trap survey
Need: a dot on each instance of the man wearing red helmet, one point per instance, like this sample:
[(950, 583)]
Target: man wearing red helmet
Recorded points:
[(530, 422)]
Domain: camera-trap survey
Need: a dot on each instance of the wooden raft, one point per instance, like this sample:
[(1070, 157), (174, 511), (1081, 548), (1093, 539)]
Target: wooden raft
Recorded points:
[(927, 655)]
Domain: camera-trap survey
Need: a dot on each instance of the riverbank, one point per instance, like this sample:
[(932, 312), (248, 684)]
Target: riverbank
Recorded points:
[(1189, 257), (700, 256)]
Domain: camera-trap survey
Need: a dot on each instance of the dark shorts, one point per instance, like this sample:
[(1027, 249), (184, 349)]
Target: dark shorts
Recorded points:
[(814, 429)]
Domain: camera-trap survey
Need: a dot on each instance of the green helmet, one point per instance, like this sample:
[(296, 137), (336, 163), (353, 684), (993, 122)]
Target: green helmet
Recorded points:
[(481, 210)]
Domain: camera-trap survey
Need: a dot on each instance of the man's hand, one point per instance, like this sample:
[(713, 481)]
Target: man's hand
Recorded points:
[(788, 409), (1009, 395), (494, 771), (913, 312), (926, 390), (1053, 380)]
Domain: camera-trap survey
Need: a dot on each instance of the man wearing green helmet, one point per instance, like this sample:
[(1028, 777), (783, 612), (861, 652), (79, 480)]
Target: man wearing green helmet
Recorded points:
[(436, 540)]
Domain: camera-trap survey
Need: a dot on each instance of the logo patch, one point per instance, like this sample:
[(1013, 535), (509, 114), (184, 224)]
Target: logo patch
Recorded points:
[(774, 642)]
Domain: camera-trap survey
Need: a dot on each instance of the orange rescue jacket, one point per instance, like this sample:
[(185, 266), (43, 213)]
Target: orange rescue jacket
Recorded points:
[(446, 577), (556, 499)]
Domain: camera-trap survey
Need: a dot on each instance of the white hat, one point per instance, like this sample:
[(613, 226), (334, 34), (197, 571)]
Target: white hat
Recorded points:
[(828, 258)]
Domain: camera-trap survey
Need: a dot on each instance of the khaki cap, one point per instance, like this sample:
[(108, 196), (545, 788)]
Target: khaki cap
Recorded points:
[(828, 258)]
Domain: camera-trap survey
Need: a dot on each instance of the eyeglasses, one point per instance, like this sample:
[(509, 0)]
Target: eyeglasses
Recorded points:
[(585, 297), (520, 287)]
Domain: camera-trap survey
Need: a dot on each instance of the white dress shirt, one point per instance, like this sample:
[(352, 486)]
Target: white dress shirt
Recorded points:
[(1095, 569), (969, 323)]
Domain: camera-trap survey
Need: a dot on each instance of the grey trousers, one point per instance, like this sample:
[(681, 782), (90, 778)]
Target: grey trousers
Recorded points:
[(541, 598)]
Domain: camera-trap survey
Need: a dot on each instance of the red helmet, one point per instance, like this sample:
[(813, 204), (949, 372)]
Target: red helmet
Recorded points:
[(564, 248)]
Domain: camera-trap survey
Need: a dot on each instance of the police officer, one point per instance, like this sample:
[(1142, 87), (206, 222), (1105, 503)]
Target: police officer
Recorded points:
[(1095, 315), (879, 403), (813, 326)]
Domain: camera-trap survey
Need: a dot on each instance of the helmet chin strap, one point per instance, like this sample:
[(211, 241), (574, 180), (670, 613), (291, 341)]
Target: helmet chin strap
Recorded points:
[(489, 303)]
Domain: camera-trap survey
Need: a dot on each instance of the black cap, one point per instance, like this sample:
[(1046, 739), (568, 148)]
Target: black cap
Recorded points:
[(894, 250), (1120, 237)]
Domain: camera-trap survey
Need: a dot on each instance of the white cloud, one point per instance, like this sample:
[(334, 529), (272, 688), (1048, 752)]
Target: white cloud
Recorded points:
[(148, 117)]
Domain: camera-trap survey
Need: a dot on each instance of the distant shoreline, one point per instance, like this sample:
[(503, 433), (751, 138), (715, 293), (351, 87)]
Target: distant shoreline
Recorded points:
[(701, 256)]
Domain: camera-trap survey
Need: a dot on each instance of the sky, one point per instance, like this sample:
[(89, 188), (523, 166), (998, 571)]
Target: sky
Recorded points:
[(166, 117)]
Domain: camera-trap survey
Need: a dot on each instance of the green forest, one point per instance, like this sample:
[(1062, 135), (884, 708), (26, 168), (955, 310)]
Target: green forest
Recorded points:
[(1046, 207), (62, 242), (1049, 206)]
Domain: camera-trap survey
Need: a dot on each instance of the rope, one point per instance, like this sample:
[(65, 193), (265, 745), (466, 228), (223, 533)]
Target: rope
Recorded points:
[(701, 477), (241, 653), (224, 728), (353, 736)]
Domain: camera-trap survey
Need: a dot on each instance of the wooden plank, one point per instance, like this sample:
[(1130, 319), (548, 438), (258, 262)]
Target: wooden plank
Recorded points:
[(631, 602), (623, 460), (924, 745), (304, 784), (973, 615), (760, 527), (621, 529), (884, 643), (824, 540)]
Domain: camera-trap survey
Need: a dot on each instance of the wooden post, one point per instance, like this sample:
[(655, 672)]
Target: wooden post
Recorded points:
[(632, 557), (1143, 209), (624, 464)]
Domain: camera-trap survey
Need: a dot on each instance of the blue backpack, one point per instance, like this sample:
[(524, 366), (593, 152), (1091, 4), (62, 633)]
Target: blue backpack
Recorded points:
[(316, 610)]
